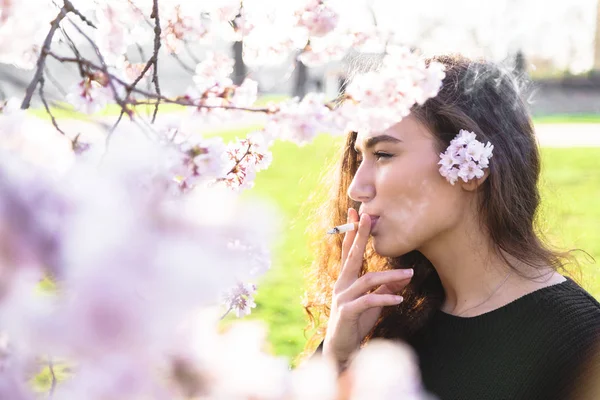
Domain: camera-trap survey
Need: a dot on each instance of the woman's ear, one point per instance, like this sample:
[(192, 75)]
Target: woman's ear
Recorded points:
[(473, 184)]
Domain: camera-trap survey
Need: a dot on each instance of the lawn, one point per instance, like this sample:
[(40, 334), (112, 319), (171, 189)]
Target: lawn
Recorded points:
[(571, 215)]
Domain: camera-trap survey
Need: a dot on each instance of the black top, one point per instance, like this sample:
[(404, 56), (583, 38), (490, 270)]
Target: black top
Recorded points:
[(533, 348)]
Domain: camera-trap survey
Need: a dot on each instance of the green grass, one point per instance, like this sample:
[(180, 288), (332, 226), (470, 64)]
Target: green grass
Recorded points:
[(567, 119), (571, 207), (571, 214)]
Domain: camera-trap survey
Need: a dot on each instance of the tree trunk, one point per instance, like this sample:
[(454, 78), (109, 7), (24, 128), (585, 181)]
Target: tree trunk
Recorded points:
[(239, 68), (301, 79)]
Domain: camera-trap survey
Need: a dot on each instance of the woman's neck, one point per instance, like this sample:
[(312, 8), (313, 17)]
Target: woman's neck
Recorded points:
[(472, 272)]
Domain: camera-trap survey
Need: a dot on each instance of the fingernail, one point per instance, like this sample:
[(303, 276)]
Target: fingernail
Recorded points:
[(399, 299), (409, 272)]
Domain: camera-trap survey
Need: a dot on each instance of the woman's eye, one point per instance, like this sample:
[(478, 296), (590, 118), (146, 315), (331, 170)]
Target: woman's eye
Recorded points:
[(380, 155)]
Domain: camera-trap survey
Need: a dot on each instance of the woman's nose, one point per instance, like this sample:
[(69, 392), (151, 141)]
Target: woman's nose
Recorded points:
[(361, 189)]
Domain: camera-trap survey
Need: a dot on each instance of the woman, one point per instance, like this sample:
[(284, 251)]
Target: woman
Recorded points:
[(483, 302)]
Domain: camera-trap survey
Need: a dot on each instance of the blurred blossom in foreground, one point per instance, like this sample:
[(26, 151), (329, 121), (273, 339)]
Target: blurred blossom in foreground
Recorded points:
[(142, 231), (386, 370)]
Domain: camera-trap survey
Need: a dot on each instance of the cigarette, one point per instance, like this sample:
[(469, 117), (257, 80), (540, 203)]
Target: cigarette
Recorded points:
[(343, 228)]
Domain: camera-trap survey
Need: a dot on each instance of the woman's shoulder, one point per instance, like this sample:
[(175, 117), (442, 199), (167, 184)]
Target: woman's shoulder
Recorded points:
[(572, 310)]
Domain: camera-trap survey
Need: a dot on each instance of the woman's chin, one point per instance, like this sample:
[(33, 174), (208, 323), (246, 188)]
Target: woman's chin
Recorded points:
[(388, 249)]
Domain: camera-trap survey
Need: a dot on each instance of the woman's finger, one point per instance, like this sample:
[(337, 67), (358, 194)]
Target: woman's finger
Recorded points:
[(349, 236), (354, 309), (351, 268), (373, 280)]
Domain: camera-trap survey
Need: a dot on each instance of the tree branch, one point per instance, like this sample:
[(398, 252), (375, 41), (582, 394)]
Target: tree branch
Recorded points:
[(157, 33), (43, 54), (43, 97), (54, 25)]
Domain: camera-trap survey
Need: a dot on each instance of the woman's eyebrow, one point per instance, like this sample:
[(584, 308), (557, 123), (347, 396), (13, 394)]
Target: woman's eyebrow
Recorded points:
[(373, 140)]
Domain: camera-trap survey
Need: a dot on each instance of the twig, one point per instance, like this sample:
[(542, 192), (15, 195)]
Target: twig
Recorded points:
[(66, 9), (104, 69), (53, 375), (157, 33), (43, 53), (237, 162), (227, 312), (75, 11), (73, 47), (43, 97)]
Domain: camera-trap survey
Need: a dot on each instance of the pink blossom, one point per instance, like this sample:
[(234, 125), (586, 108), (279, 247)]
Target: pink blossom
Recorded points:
[(299, 122), (182, 21), (112, 34), (89, 96), (323, 50), (387, 95), (21, 37), (224, 10), (261, 46), (246, 94), (214, 71), (318, 18), (246, 157), (240, 299)]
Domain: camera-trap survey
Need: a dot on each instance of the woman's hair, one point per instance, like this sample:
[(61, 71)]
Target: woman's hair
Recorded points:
[(481, 97)]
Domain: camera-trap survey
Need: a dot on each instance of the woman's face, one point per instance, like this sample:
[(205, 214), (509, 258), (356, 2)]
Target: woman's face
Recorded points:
[(399, 186)]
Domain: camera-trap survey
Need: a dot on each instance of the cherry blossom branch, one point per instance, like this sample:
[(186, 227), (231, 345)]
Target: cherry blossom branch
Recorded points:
[(104, 69), (232, 171), (66, 9), (75, 11), (43, 54), (43, 97), (226, 312), (157, 43), (75, 51)]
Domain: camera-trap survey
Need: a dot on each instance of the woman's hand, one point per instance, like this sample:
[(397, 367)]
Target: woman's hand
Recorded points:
[(354, 312)]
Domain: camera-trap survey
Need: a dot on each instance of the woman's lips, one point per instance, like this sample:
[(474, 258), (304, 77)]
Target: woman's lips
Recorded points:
[(374, 219)]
